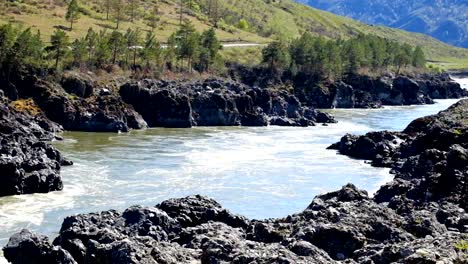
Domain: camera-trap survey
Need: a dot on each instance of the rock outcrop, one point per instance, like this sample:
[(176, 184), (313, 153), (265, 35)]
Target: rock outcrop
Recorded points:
[(345, 225), (214, 102), (429, 158), (358, 91), (96, 113), (28, 164)]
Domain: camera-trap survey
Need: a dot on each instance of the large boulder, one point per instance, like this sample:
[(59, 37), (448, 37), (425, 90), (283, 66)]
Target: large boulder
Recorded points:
[(78, 84)]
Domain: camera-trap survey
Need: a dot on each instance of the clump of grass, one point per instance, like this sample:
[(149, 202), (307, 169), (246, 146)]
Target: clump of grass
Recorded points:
[(462, 245), (26, 106)]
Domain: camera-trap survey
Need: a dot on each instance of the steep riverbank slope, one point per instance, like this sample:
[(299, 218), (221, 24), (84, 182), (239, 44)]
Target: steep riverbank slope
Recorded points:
[(27, 163), (420, 217)]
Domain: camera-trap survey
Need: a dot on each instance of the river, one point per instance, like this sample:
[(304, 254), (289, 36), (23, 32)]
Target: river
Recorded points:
[(256, 172)]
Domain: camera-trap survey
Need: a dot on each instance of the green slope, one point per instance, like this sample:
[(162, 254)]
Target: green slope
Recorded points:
[(267, 19)]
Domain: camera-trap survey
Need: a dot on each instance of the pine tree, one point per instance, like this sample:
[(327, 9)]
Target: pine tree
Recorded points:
[(108, 5), (59, 45), (132, 4), (275, 55), (133, 39), (8, 36), (102, 51), (118, 7), (80, 52), (116, 44), (26, 51), (91, 40), (188, 43), (419, 58), (151, 50), (153, 17), (210, 42), (73, 13)]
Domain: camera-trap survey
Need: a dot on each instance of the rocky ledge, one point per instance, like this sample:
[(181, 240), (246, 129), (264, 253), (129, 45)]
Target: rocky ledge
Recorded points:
[(217, 102), (28, 164)]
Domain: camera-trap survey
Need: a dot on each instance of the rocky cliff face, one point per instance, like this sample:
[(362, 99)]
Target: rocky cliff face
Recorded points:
[(28, 164)]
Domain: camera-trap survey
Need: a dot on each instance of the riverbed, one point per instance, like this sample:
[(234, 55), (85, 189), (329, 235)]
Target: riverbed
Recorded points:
[(257, 172)]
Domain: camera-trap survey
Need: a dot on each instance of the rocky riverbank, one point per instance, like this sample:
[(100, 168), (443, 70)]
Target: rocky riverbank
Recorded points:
[(83, 102), (79, 102), (28, 164), (429, 158), (357, 91), (420, 217), (217, 102)]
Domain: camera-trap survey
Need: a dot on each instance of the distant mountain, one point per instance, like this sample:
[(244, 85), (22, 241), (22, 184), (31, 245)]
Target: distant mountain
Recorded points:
[(446, 20)]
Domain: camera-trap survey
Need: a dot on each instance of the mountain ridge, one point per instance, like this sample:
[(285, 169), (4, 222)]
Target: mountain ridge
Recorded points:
[(446, 20)]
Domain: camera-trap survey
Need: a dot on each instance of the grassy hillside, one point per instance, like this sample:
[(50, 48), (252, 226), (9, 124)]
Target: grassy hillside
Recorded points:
[(267, 19)]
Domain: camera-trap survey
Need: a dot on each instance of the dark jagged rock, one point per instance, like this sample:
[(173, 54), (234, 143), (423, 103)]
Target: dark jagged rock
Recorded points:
[(194, 210), (28, 247), (429, 158), (79, 85), (27, 163), (214, 102), (344, 225), (96, 113), (360, 91)]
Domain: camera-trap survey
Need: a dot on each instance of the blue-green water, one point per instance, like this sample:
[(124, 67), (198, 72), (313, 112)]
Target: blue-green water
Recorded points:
[(257, 172)]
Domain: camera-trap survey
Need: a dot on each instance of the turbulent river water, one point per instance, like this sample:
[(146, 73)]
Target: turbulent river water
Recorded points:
[(256, 172)]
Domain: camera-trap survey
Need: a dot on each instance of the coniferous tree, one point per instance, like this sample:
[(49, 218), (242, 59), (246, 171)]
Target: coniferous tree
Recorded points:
[(132, 6), (209, 48), (153, 17), (73, 13), (418, 59), (187, 43), (151, 50), (118, 7), (8, 36), (59, 45), (275, 55), (80, 53), (91, 40), (102, 51), (116, 44), (133, 41), (108, 6), (26, 51)]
